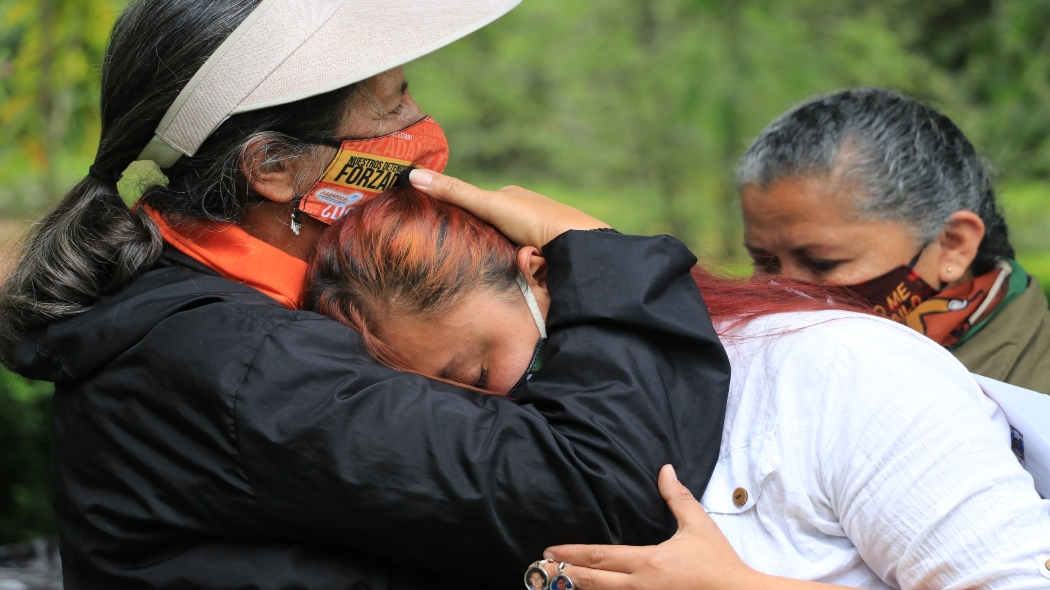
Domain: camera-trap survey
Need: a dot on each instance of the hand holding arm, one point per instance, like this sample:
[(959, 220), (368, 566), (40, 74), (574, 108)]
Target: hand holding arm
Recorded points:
[(697, 557), (527, 218)]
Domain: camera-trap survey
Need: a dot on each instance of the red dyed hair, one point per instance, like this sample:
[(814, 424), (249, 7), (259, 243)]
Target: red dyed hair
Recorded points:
[(735, 301), (405, 253)]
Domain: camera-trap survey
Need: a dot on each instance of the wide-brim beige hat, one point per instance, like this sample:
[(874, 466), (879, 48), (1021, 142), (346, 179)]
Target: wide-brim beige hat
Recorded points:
[(288, 50)]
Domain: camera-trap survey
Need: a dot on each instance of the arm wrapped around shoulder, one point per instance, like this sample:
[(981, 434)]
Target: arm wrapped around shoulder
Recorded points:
[(343, 451)]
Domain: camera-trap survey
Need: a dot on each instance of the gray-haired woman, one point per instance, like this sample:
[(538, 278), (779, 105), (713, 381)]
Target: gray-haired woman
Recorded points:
[(881, 194)]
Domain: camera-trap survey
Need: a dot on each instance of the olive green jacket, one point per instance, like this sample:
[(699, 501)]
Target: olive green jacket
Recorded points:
[(1015, 344)]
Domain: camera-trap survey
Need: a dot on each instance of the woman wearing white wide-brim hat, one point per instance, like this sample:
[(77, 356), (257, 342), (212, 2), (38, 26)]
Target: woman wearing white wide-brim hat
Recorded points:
[(208, 433)]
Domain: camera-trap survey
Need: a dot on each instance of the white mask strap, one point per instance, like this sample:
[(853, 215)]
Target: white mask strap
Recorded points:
[(534, 307)]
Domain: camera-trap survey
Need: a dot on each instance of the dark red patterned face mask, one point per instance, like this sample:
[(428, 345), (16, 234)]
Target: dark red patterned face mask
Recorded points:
[(944, 316), (896, 293)]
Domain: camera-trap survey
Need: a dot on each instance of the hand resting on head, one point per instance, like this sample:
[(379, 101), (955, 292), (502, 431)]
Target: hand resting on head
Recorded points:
[(525, 217)]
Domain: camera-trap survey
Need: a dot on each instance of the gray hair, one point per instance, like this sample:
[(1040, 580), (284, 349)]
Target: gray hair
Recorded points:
[(91, 243), (910, 163)]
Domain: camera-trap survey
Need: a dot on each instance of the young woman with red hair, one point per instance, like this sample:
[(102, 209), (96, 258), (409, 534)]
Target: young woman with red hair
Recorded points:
[(855, 452)]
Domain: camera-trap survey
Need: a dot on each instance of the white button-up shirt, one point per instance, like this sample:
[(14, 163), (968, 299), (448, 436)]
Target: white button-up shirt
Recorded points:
[(869, 457)]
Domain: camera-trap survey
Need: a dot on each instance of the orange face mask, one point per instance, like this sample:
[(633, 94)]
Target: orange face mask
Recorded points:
[(365, 168)]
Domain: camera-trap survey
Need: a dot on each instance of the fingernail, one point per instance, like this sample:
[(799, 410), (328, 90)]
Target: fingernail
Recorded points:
[(673, 474), (421, 178), (548, 555)]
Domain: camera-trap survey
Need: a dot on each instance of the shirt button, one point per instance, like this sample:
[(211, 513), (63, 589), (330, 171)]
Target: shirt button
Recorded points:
[(739, 497)]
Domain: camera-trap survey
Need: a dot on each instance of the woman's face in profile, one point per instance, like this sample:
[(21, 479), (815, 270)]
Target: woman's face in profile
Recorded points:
[(806, 229), (386, 106), (487, 340), (383, 106)]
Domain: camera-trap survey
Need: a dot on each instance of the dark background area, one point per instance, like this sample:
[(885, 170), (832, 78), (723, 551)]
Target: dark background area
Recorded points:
[(25, 441)]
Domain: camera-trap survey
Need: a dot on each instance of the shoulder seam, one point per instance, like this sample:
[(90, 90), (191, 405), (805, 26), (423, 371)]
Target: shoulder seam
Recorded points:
[(254, 317), (233, 424)]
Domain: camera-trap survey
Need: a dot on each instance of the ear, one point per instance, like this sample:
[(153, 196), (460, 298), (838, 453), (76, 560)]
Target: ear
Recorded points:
[(959, 241), (533, 266), (272, 178)]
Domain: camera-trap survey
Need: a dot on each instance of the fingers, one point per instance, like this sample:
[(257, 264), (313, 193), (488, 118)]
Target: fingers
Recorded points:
[(486, 205), (525, 217), (679, 499), (446, 188), (612, 558), (584, 578), (592, 579)]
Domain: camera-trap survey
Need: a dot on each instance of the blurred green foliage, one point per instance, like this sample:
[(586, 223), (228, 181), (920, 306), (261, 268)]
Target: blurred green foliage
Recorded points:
[(637, 110), (1029, 220), (634, 110), (50, 65), (658, 97)]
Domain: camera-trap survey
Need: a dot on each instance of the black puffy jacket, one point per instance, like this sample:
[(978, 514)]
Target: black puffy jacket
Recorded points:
[(207, 437)]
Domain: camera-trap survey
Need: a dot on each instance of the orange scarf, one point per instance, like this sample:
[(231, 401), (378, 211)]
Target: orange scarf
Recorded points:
[(237, 256)]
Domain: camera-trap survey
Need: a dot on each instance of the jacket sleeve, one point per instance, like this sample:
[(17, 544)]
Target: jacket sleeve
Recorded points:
[(341, 451)]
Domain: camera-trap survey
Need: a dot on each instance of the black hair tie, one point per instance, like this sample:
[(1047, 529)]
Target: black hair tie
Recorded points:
[(99, 175)]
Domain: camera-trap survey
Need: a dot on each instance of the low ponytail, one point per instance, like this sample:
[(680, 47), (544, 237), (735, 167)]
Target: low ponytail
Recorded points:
[(88, 245), (91, 243)]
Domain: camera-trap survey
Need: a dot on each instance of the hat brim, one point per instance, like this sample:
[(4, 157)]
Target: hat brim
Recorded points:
[(364, 38)]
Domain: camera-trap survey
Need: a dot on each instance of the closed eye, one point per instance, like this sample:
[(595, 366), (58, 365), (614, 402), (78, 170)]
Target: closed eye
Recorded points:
[(483, 379), (822, 266), (401, 103), (766, 264)]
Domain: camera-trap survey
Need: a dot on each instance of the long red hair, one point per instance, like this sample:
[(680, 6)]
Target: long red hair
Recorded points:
[(405, 253)]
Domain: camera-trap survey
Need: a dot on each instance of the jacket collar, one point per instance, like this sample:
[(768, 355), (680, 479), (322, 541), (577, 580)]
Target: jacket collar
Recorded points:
[(237, 256), (995, 351)]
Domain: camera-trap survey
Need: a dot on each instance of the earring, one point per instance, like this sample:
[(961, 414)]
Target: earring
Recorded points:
[(297, 224), (948, 270)]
